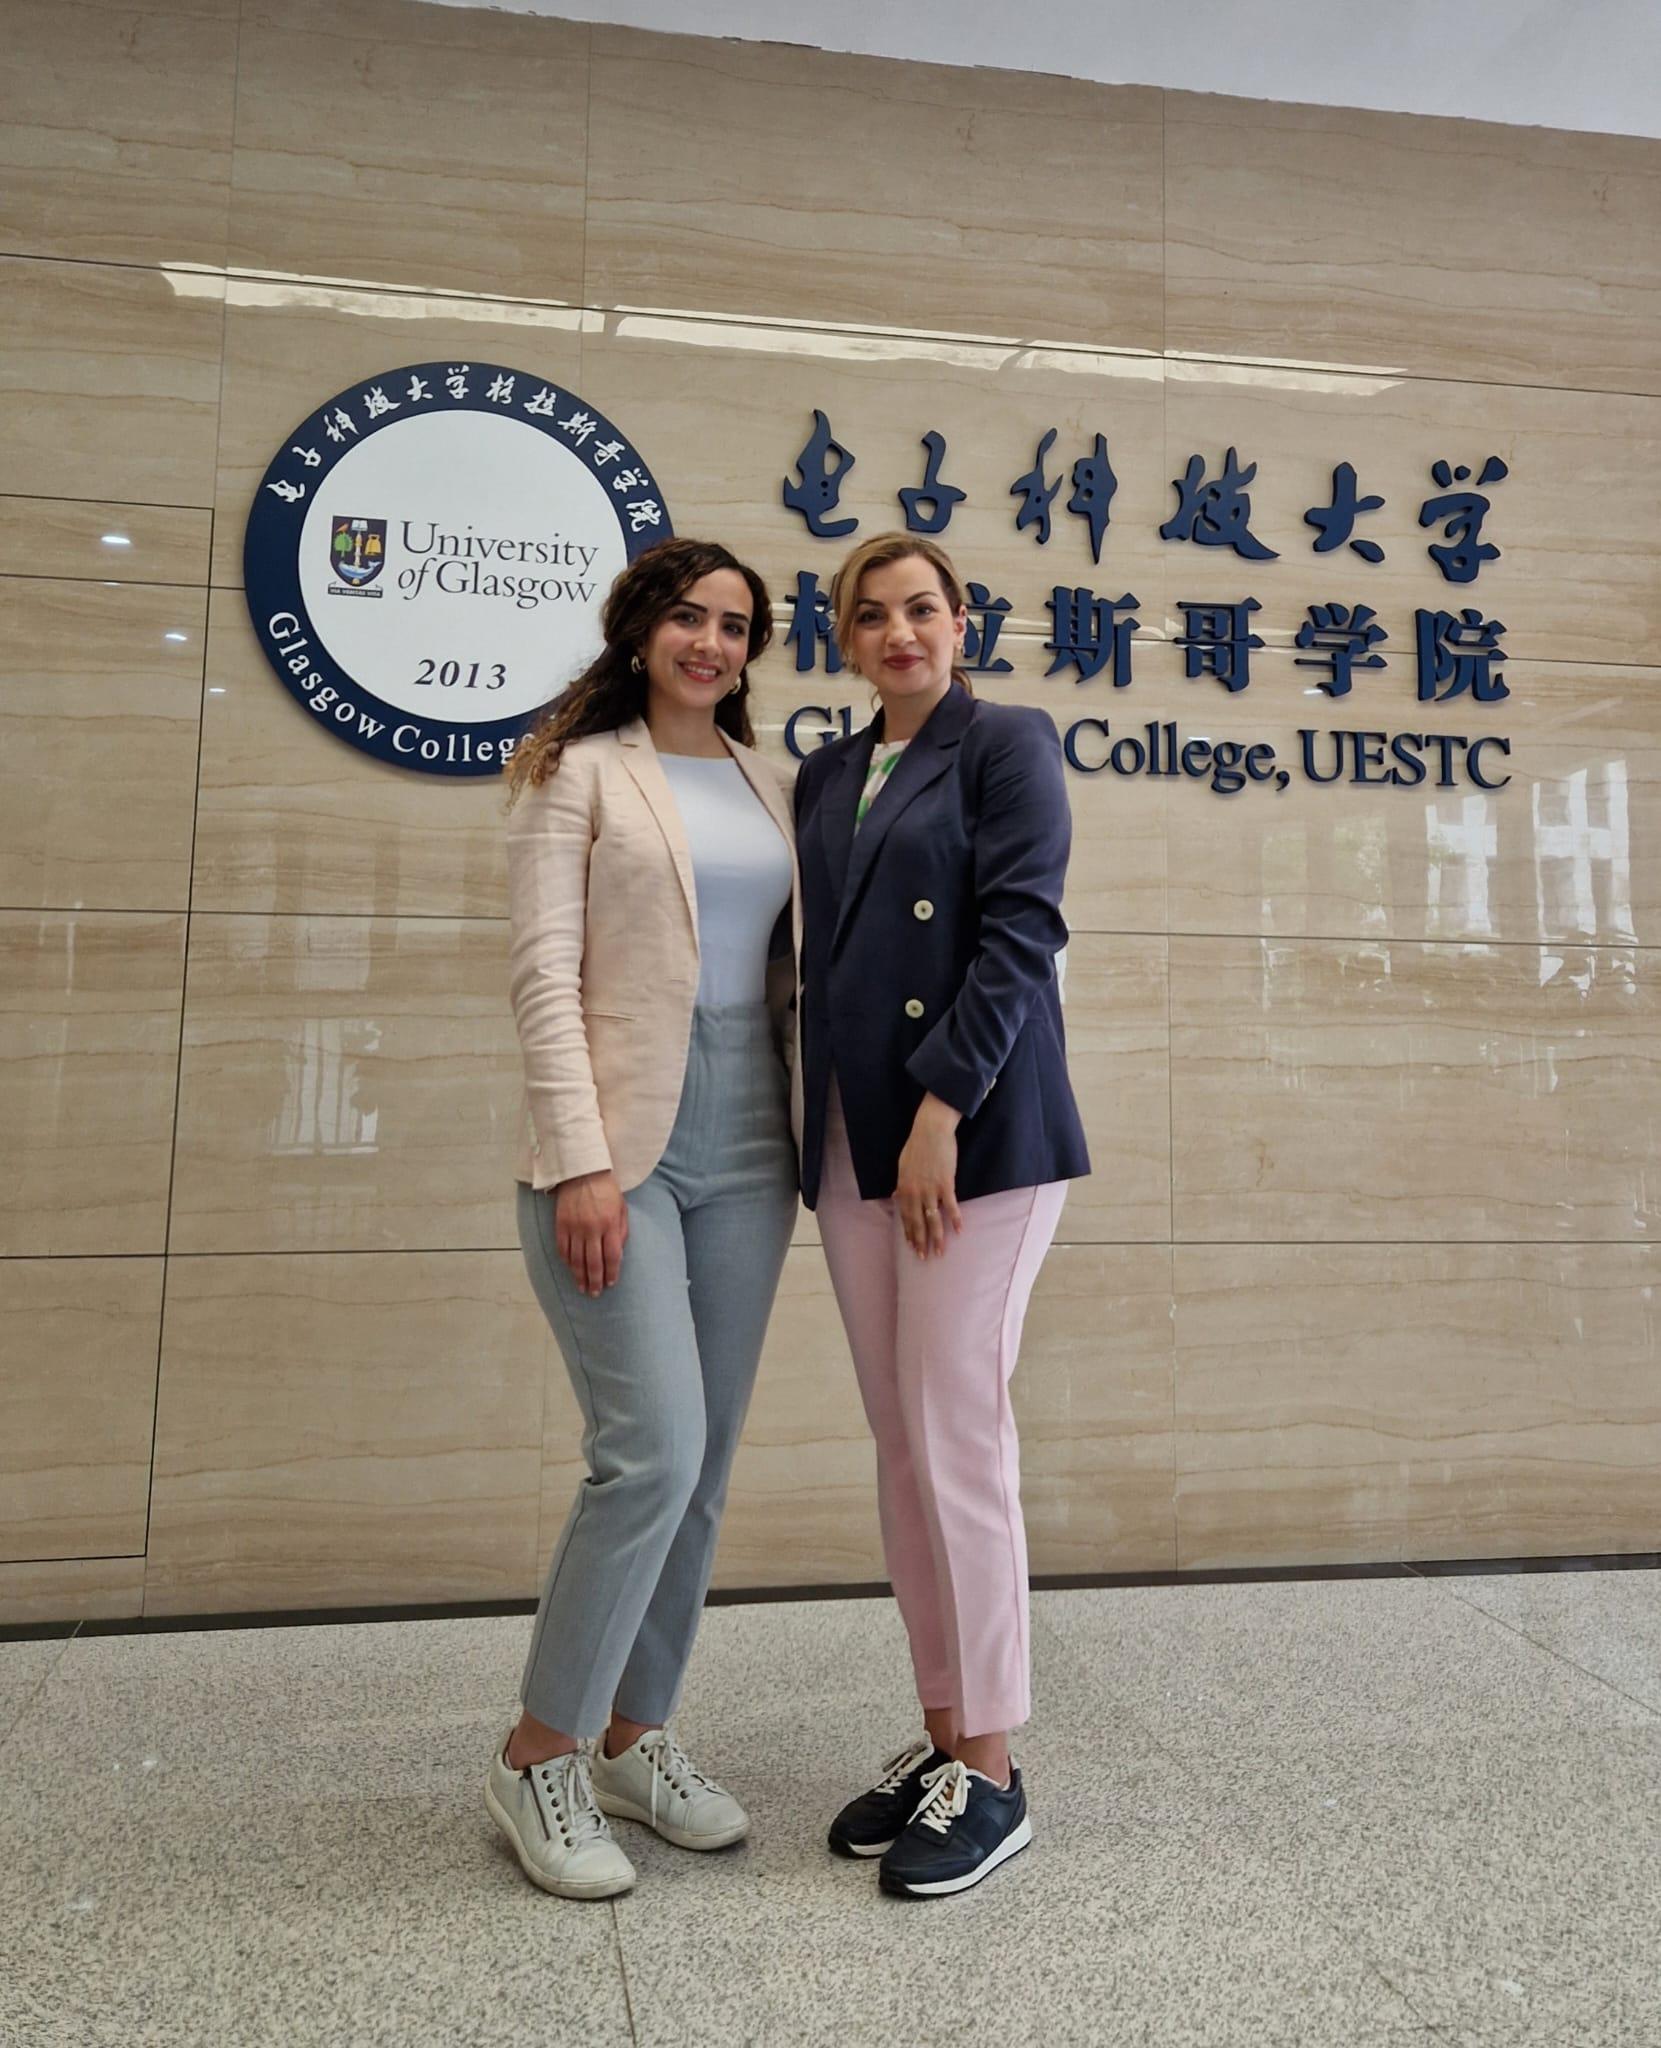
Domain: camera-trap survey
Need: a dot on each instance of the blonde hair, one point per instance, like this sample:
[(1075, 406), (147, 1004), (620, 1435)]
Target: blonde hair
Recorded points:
[(881, 551)]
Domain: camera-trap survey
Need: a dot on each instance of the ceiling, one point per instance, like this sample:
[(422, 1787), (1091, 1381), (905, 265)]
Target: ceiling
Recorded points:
[(1592, 64)]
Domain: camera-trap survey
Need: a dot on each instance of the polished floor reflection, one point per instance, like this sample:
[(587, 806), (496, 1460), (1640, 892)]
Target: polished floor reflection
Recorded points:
[(1307, 1814)]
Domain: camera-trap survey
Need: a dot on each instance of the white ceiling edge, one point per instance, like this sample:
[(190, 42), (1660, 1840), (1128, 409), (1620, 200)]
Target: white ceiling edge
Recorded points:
[(1586, 64)]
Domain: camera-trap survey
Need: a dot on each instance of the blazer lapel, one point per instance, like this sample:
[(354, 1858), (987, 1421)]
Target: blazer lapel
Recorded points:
[(924, 761), (768, 787), (838, 805), (640, 758)]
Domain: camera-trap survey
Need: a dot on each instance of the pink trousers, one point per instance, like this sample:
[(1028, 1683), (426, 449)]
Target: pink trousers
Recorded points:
[(934, 1344)]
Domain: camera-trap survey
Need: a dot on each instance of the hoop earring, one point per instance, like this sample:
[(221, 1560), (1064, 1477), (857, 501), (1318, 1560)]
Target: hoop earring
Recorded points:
[(636, 665), (743, 678)]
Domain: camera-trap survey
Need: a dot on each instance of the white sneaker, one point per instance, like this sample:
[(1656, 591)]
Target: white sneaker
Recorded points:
[(558, 1833), (655, 1782)]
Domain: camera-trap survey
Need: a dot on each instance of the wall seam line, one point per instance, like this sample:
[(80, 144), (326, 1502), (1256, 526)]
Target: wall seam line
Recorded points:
[(1325, 1243), (1572, 943), (1049, 345)]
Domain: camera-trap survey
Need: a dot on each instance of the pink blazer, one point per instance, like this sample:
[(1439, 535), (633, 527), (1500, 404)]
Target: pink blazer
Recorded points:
[(603, 913)]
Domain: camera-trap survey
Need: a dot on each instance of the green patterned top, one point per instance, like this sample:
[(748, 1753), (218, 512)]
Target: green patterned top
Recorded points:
[(883, 759)]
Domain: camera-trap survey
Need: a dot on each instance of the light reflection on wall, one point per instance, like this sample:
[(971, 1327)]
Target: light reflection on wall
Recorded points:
[(1459, 850), (323, 1110), (1361, 850), (1583, 854), (1579, 849)]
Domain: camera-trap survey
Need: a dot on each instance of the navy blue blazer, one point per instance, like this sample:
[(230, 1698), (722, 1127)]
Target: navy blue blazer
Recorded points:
[(928, 949)]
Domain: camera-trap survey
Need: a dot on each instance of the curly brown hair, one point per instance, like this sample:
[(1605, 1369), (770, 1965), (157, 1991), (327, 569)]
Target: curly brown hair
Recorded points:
[(612, 690)]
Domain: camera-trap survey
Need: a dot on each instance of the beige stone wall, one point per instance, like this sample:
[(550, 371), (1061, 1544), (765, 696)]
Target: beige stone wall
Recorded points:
[(1368, 1267)]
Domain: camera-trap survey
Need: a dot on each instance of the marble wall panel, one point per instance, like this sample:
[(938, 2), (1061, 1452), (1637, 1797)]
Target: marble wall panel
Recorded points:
[(100, 696), (346, 1084), (1338, 237), (109, 381), (72, 538), (89, 1050), (405, 144), (763, 180), (1092, 1396), (1349, 1091), (1569, 853), (77, 1405), (1572, 702), (1572, 585), (115, 129), (1117, 1013), (336, 1430), (288, 346), (1117, 875), (71, 1589), (1568, 701), (350, 1073), (290, 819), (1385, 1402), (723, 408)]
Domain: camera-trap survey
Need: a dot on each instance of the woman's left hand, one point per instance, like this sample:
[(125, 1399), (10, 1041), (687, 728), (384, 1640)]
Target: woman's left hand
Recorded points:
[(927, 1188)]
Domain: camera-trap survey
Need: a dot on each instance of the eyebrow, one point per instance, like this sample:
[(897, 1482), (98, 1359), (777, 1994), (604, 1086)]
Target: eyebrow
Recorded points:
[(687, 604), (912, 599)]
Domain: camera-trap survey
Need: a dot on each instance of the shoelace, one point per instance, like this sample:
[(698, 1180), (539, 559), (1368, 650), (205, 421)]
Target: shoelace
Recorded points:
[(672, 1765), (899, 1768), (946, 1796), (566, 1790)]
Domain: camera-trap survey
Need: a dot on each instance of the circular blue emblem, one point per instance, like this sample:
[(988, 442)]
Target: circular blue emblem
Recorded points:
[(427, 555)]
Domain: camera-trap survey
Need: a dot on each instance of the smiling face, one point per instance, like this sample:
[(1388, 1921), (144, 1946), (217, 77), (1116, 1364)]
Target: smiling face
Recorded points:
[(696, 652), (905, 635)]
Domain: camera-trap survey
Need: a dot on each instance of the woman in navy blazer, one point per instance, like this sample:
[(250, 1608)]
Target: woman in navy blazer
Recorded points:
[(939, 1131)]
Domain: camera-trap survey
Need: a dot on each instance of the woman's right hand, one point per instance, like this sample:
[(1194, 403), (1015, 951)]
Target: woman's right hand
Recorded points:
[(591, 1227)]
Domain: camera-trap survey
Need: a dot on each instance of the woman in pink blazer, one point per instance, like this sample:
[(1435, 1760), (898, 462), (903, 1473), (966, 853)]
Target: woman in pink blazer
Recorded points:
[(653, 902)]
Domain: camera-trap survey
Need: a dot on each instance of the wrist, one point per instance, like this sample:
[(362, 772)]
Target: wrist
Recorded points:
[(934, 1114)]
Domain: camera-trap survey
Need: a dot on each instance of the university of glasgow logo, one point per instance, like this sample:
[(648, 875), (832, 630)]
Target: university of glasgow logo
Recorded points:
[(357, 550), (432, 636)]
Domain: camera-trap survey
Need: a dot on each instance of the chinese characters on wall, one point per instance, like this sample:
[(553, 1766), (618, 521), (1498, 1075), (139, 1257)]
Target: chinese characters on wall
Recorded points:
[(1455, 652), (1090, 632), (377, 403)]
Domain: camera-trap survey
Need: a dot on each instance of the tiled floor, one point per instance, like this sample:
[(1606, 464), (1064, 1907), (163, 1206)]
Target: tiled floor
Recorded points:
[(1313, 1815)]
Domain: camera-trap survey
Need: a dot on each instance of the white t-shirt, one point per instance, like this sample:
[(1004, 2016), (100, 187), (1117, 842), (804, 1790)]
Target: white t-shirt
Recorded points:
[(741, 868)]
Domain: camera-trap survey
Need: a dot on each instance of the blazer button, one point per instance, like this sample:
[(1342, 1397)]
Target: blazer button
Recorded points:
[(913, 1008), (922, 910)]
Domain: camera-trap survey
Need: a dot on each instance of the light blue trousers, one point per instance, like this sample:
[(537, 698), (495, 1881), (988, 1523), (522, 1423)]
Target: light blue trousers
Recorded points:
[(662, 1365)]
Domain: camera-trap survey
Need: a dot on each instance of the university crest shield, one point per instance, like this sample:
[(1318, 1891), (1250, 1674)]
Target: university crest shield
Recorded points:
[(357, 549)]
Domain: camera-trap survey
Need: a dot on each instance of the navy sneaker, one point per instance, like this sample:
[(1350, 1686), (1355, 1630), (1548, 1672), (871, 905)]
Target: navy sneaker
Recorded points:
[(868, 1825), (965, 1827)]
